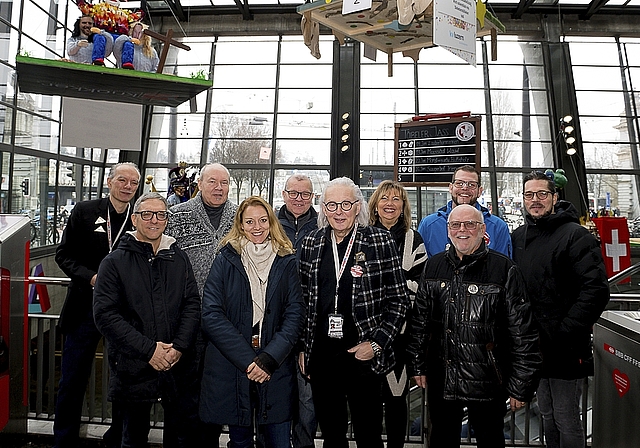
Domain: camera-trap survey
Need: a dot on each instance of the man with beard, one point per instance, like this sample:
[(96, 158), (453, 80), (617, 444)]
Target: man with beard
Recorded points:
[(464, 189), (567, 283)]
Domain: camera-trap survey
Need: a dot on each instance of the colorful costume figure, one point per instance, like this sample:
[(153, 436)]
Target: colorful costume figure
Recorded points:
[(108, 16), (80, 44), (145, 57)]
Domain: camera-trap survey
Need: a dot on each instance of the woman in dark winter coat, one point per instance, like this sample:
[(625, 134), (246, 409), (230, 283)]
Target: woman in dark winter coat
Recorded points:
[(389, 209), (252, 315)]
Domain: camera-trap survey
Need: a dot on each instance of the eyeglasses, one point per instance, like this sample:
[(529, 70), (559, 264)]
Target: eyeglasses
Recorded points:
[(148, 215), (463, 183), (469, 225), (344, 205), (542, 194), (304, 195)]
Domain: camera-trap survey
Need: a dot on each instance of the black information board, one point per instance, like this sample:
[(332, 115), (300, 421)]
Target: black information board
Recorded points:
[(429, 151)]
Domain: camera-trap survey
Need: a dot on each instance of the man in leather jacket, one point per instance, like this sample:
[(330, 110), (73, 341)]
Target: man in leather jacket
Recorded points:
[(471, 336)]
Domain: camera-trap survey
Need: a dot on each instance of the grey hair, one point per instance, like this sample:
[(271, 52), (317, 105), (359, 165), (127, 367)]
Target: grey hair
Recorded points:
[(216, 165), (363, 217), (300, 178), (147, 197), (478, 213), (114, 168)]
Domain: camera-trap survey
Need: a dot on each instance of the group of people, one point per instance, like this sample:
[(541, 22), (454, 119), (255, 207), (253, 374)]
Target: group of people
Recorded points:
[(89, 44), (274, 324)]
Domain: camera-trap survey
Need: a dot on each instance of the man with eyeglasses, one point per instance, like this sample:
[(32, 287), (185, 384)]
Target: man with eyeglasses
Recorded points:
[(146, 304), (198, 226), (464, 189), (567, 283), (299, 218), (92, 232), (471, 336)]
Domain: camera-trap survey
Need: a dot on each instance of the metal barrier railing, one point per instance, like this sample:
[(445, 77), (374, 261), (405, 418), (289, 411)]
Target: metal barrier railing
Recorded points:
[(524, 428)]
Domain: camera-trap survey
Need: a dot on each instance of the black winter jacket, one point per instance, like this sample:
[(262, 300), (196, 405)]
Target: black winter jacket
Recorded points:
[(567, 285), (296, 236), (471, 330), (140, 299)]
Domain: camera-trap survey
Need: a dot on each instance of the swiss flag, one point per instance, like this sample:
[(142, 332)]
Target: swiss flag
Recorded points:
[(614, 238)]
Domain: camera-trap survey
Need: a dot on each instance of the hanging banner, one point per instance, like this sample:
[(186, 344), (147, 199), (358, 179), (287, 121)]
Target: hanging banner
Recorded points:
[(454, 27)]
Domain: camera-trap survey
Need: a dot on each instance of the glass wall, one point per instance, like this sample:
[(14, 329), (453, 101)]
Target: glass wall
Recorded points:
[(268, 115)]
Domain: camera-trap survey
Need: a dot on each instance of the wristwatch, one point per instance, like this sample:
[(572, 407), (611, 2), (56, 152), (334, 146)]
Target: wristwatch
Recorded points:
[(377, 350)]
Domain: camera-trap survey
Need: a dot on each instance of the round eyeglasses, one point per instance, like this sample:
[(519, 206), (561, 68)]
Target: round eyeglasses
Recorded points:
[(148, 215), (344, 205), (469, 225), (304, 195)]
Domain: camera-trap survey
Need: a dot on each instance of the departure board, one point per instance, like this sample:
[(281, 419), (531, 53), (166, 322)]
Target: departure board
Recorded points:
[(429, 150)]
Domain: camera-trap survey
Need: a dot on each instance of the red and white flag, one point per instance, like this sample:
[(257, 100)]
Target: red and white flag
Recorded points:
[(614, 240)]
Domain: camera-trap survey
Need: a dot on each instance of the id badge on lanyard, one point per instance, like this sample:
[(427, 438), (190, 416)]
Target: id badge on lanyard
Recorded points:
[(336, 320)]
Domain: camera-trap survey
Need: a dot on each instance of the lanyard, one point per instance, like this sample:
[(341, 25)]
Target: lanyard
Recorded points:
[(341, 266), (124, 224)]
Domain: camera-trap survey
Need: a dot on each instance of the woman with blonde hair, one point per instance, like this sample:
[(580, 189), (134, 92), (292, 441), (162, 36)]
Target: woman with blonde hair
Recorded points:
[(252, 316), (389, 209)]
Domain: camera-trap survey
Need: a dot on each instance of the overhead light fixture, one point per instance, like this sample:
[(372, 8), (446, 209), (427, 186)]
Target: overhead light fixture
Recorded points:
[(567, 119), (570, 140), (568, 129), (571, 150), (344, 148)]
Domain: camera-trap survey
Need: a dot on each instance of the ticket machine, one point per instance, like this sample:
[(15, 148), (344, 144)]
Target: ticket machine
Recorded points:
[(616, 397), (14, 240)]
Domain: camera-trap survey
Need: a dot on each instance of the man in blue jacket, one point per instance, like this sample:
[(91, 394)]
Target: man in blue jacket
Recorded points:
[(464, 189), (299, 218)]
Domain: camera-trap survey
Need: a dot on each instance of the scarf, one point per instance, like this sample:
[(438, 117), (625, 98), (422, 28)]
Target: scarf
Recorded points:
[(257, 260)]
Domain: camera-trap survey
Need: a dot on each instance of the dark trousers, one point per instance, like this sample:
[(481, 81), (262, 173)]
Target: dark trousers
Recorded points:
[(395, 415), (77, 359), (341, 380), (136, 425), (486, 418)]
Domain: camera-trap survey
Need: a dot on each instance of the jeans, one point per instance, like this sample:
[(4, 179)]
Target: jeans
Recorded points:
[(77, 359), (304, 421), (275, 435), (559, 403)]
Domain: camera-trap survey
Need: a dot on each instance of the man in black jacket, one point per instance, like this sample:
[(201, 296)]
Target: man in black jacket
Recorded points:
[(567, 283), (93, 231), (146, 304), (299, 218), (471, 336)]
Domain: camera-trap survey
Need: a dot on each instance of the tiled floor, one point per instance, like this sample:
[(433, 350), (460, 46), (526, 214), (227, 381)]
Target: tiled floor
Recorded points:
[(40, 435)]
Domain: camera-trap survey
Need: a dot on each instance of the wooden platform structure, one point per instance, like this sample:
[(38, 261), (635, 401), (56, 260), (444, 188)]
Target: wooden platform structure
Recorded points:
[(57, 77), (379, 27)]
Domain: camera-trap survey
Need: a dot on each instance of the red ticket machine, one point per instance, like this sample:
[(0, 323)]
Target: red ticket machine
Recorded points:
[(14, 240)]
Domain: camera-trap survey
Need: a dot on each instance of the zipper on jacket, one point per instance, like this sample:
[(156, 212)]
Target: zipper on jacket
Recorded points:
[(467, 308), (492, 359)]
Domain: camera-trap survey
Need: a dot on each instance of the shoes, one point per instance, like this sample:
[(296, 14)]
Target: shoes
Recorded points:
[(98, 61), (128, 66)]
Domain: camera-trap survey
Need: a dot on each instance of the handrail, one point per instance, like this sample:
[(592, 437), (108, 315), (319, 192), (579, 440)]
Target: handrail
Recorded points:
[(628, 272), (63, 281)]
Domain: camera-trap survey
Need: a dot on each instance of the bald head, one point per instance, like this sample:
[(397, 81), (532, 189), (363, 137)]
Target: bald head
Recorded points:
[(466, 229)]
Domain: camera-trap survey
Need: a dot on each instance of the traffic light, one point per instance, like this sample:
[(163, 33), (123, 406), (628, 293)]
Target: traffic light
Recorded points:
[(25, 186)]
